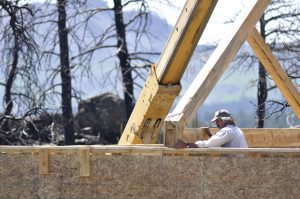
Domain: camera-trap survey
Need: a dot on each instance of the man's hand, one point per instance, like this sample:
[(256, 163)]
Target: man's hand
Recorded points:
[(207, 131), (180, 144)]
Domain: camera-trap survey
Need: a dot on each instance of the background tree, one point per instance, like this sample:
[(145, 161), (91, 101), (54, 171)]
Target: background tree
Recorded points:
[(123, 56), (65, 72), (280, 27), (17, 45), (262, 88), (142, 58), (74, 49)]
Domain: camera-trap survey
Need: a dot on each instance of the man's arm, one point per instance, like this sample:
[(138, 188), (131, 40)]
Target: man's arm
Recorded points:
[(220, 138)]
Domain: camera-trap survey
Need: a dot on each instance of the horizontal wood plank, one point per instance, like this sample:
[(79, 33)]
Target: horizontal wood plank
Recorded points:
[(258, 138), (264, 140)]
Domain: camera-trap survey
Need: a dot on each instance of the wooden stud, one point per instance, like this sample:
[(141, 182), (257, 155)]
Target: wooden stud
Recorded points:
[(85, 163), (170, 135), (44, 161)]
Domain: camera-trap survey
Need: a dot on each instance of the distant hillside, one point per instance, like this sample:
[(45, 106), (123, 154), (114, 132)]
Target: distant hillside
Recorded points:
[(235, 91), (243, 111)]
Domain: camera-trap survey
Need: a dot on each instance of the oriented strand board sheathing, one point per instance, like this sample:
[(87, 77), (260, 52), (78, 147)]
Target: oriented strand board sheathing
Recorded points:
[(194, 174), (19, 176)]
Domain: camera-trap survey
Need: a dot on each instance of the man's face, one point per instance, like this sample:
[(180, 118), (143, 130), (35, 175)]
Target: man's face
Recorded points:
[(219, 123)]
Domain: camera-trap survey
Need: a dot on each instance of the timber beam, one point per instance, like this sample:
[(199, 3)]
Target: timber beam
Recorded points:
[(163, 83), (183, 40), (149, 112), (255, 137), (212, 71), (275, 70)]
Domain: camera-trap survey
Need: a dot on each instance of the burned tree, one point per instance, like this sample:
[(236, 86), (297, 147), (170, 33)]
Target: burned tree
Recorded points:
[(279, 27), (262, 88), (18, 45), (76, 51), (123, 56), (65, 72)]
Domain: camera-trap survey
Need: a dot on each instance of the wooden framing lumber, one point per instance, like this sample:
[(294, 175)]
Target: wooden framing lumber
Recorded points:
[(256, 137), (163, 83), (149, 112), (44, 160), (84, 162), (275, 70), (217, 64), (214, 68), (158, 150), (170, 134), (273, 138), (183, 40)]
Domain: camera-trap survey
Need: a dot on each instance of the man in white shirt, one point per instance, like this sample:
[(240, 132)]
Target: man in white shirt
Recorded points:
[(228, 136)]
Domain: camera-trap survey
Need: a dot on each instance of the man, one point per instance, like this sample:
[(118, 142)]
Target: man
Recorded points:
[(228, 136)]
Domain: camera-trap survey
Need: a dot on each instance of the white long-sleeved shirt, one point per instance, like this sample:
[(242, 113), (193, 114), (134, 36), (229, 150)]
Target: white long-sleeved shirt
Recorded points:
[(229, 136)]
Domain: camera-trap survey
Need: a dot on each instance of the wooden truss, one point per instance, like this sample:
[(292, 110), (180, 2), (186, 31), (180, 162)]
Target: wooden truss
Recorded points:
[(198, 91), (155, 101)]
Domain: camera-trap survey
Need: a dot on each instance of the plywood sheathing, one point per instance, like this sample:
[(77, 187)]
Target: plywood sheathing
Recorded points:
[(126, 176)]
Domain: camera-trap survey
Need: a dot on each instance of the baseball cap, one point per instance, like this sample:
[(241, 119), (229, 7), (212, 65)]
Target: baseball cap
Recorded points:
[(222, 114)]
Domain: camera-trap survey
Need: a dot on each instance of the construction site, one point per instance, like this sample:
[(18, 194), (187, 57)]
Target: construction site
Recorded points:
[(140, 168)]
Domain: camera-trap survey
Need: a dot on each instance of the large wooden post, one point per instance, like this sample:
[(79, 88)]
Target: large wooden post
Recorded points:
[(163, 83)]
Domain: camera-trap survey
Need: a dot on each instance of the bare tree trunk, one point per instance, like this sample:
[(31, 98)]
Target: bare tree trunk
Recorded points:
[(12, 73), (13, 70), (124, 57), (262, 90), (65, 72)]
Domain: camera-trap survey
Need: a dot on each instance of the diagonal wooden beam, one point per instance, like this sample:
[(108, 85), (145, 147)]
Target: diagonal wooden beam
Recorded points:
[(183, 40), (163, 83), (275, 70), (211, 72)]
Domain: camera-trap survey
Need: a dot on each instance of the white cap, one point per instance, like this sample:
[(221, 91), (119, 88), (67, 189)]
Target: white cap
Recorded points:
[(222, 114)]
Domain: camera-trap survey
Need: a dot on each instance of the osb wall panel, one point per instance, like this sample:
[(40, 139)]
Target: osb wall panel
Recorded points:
[(151, 177)]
